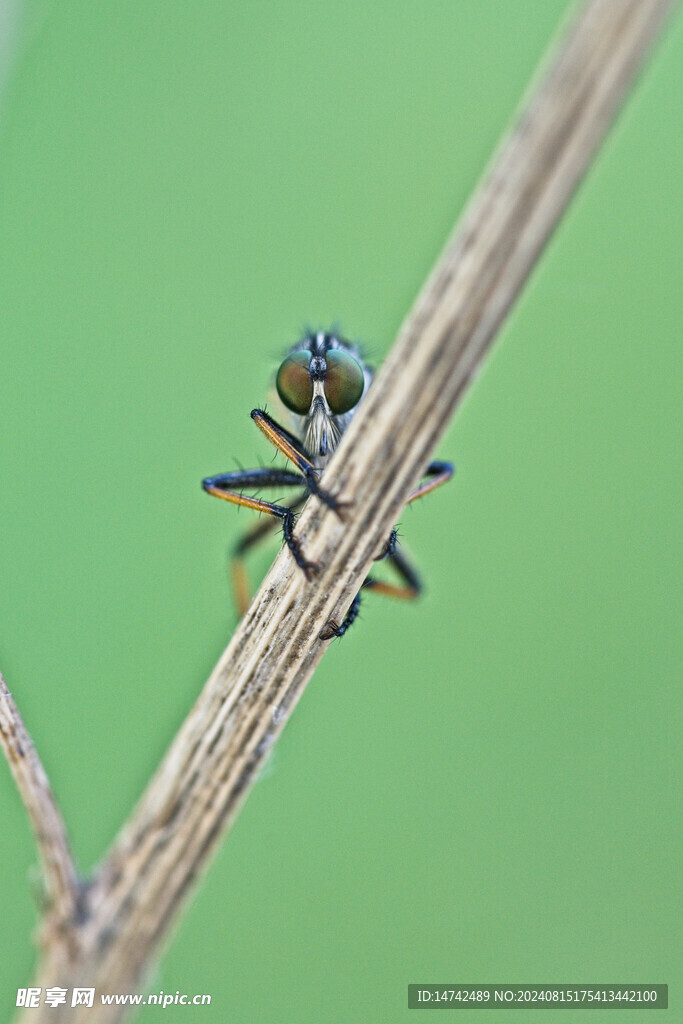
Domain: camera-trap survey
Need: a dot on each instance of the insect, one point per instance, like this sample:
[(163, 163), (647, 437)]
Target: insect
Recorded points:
[(321, 381)]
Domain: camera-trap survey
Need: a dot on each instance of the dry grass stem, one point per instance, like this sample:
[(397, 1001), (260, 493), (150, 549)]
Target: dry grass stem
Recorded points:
[(58, 870)]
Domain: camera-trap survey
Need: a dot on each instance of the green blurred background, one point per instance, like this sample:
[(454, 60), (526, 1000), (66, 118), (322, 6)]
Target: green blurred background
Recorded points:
[(480, 787)]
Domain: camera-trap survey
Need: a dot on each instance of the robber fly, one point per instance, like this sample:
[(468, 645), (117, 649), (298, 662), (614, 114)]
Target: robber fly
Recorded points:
[(321, 381)]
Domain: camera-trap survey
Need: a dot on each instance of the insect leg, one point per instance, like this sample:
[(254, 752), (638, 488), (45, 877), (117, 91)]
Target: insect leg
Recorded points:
[(332, 628), (225, 482), (238, 571), (296, 453), (437, 473), (411, 588), (221, 487)]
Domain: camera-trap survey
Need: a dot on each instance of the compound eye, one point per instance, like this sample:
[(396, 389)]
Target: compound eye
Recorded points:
[(293, 382), (344, 381)]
